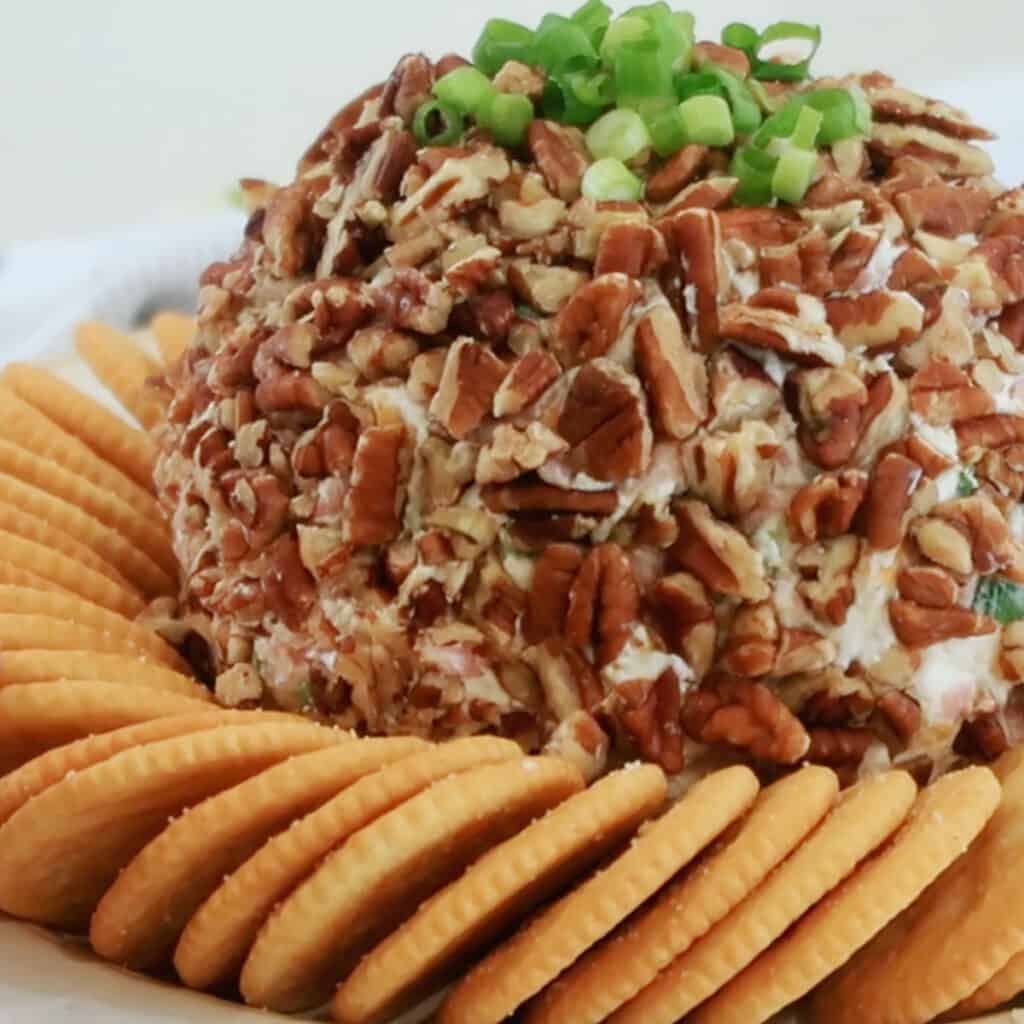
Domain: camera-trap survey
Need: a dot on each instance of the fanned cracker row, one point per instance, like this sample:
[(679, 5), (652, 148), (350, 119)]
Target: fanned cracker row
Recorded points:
[(173, 333), (140, 919), (496, 892), (383, 872), (12, 576), (218, 938), (554, 940), (61, 852), (129, 449), (615, 971)]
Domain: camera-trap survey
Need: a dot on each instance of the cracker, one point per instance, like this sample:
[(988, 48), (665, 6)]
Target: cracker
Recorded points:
[(17, 788), (26, 601), (552, 942), (61, 852), (496, 892), (49, 666), (137, 567), (964, 929), (12, 576), (140, 919), (36, 717), (861, 821), (24, 425), (1006, 985), (379, 877), (16, 520), (174, 333), (148, 534), (612, 973), (124, 368), (218, 938), (130, 450)]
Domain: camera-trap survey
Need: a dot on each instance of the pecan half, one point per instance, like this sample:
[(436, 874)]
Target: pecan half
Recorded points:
[(603, 603), (549, 591), (650, 714), (674, 376), (917, 626), (888, 500), (825, 508), (745, 715), (752, 644), (471, 378), (594, 318), (374, 502), (839, 747), (682, 609), (636, 250), (928, 586), (561, 154), (528, 379), (876, 320), (983, 737), (827, 569), (696, 235)]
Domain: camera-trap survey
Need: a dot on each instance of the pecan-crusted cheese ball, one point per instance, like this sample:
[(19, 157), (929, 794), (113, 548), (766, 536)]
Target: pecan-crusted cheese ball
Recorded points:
[(695, 424)]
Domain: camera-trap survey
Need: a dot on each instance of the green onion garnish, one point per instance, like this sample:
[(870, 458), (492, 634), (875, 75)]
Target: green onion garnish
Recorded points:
[(562, 45), (674, 32), (621, 134), (1001, 599), (667, 130), (698, 83), (808, 125), (611, 179), (780, 125), (743, 37), (621, 32), (642, 80), (772, 71), (578, 98), (794, 174), (755, 169), (500, 42), (467, 89), (707, 120), (967, 482), (746, 114), (438, 124), (594, 17), (842, 120), (507, 117)]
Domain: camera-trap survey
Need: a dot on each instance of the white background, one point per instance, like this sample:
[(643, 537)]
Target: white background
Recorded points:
[(121, 111)]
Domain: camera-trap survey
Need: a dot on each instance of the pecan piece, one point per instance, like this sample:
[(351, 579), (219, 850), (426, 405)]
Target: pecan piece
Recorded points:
[(408, 298), (888, 500), (651, 717), (839, 747), (1011, 656), (674, 376), (696, 236), (740, 389), (580, 740), (825, 508), (943, 543), (977, 517), (997, 431), (521, 80), (410, 86), (594, 318), (603, 603), (728, 57), (329, 448), (745, 715), (471, 378), (536, 498), (560, 152), (336, 306), (752, 644), (528, 379), (676, 173), (732, 472), (892, 103), (374, 502), (946, 210), (458, 179), (830, 406), (378, 353), (636, 250), (289, 232), (682, 608), (717, 554), (876, 320), (803, 650), (944, 394), (786, 322), (513, 452), (546, 289), (259, 505), (827, 569), (549, 591), (952, 158), (605, 422), (287, 386), (917, 626), (982, 738), (928, 586), (901, 713), (289, 591)]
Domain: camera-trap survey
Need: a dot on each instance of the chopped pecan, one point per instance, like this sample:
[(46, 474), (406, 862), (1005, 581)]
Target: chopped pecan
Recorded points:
[(839, 747), (827, 569), (604, 420), (410, 86), (875, 320), (561, 154), (329, 448), (948, 337), (717, 554), (549, 591), (761, 226), (335, 138), (536, 498), (892, 103), (1011, 323), (319, 547), (528, 379), (803, 650), (289, 590), (696, 235), (337, 307), (374, 502), (982, 737), (533, 213), (1004, 259), (407, 298), (674, 376), (514, 451), (676, 173), (740, 389), (259, 505), (851, 158), (977, 517), (752, 644), (943, 543), (805, 265), (636, 250), (471, 378), (952, 158), (379, 352), (546, 289), (745, 715), (733, 471), (289, 232), (590, 220), (460, 181), (928, 586), (651, 717), (728, 57), (997, 431), (901, 713), (521, 80), (489, 316), (785, 322), (830, 406), (682, 608), (944, 209), (593, 320), (281, 386), (580, 740), (917, 626), (944, 394), (888, 500), (603, 603), (706, 194), (826, 507), (472, 271), (1011, 656)]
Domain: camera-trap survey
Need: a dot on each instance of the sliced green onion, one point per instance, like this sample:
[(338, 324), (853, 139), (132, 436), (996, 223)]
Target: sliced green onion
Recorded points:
[(966, 483), (642, 80), (621, 32), (741, 36), (467, 89), (794, 174), (754, 170), (577, 98), (621, 134), (562, 45), (667, 130), (780, 125), (862, 109), (839, 110), (1001, 599), (438, 124), (500, 42), (771, 71), (808, 125), (697, 83), (675, 32), (507, 117), (746, 114), (707, 120), (611, 179), (769, 103), (594, 17)]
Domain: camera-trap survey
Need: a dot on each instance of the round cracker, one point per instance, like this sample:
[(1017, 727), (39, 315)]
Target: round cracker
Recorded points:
[(61, 852), (496, 892), (552, 942), (17, 788), (614, 972), (861, 821), (1006, 985), (50, 666), (25, 601), (217, 940), (378, 878), (173, 333), (140, 919), (123, 446), (36, 717), (137, 566), (964, 929)]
